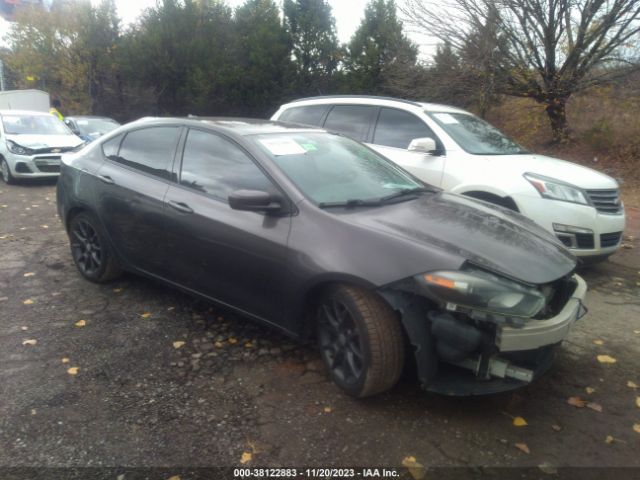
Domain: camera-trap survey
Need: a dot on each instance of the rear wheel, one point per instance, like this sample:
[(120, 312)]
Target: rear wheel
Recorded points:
[(7, 177), (90, 250), (360, 341)]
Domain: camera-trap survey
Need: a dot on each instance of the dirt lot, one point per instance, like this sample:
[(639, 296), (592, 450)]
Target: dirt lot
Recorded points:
[(164, 380)]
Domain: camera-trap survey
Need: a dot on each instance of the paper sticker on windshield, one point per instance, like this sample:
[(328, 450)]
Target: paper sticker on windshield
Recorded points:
[(283, 146), (83, 122), (445, 118), (309, 147)]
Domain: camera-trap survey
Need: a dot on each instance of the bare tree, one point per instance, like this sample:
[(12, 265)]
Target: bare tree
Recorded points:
[(546, 49)]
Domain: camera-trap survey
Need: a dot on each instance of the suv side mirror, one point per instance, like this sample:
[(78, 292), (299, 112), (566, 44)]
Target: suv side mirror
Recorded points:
[(254, 200), (423, 145)]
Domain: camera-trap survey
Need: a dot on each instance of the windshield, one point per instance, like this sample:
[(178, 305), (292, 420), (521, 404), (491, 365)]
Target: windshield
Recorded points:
[(34, 125), (91, 126), (475, 135), (331, 169)]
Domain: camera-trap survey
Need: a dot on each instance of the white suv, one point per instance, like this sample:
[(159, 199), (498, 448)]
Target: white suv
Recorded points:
[(32, 143), (459, 152)]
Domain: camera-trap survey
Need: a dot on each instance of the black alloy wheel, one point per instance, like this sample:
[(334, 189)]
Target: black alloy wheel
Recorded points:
[(90, 251)]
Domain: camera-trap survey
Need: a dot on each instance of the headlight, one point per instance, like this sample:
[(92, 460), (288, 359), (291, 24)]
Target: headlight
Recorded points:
[(19, 149), (482, 291), (556, 189)]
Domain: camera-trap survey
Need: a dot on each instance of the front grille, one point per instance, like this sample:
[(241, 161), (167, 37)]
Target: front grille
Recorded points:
[(584, 240), (49, 168), (610, 239), (606, 201)]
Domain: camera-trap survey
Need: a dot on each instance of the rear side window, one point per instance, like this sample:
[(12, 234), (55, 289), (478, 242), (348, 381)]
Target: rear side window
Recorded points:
[(216, 166), (150, 150), (310, 115), (110, 147), (350, 120), (397, 128)]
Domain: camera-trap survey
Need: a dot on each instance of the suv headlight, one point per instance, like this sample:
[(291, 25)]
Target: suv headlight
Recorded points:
[(556, 189), (482, 291), (19, 149)]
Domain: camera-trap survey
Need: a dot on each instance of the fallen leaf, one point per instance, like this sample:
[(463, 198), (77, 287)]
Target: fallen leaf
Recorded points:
[(65, 360), (636, 427), (327, 410), (519, 422), (598, 342), (80, 323), (548, 468), (576, 402), (416, 469), (609, 440), (606, 359), (30, 342), (631, 384), (637, 332), (28, 302), (170, 308), (34, 411), (594, 406), (246, 457), (73, 370), (29, 274), (248, 345), (638, 402), (145, 315), (232, 340), (178, 344), (522, 447), (175, 477), (590, 390), (557, 428), (24, 328), (218, 344), (44, 226), (117, 290)]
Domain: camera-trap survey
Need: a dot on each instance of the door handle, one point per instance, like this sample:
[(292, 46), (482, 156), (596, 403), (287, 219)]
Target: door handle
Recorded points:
[(106, 179), (180, 206)]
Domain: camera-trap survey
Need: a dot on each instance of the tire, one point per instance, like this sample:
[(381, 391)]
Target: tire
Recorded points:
[(360, 341), (7, 177), (90, 249)]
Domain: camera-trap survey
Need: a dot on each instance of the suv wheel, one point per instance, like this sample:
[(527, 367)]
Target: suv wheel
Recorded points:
[(90, 249), (360, 340)]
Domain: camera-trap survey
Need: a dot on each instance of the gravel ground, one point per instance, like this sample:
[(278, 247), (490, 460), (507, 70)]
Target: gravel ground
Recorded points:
[(135, 374)]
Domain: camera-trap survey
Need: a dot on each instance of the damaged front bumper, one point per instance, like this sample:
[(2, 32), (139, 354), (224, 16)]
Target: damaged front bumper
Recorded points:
[(476, 357)]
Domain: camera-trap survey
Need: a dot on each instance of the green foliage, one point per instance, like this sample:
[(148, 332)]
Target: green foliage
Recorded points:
[(315, 47), (377, 48)]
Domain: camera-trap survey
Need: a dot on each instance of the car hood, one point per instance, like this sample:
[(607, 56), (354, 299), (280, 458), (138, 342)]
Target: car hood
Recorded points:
[(566, 171), (478, 232), (45, 141)]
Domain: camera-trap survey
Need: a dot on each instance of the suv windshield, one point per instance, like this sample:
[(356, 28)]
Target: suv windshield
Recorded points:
[(334, 170), (475, 135), (34, 125)]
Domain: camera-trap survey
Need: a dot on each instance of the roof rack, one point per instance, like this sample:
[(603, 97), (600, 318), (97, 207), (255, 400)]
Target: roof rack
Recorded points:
[(328, 97)]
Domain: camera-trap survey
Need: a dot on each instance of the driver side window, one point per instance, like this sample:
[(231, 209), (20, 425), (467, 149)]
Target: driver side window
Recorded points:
[(396, 128)]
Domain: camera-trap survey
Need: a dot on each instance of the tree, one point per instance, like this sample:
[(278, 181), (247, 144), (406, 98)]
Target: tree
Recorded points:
[(378, 47), (548, 49), (315, 47)]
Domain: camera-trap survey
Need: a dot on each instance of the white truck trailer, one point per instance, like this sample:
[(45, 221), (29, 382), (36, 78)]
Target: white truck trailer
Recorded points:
[(25, 100)]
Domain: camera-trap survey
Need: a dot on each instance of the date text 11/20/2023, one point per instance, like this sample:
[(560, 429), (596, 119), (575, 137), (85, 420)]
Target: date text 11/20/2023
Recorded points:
[(325, 473)]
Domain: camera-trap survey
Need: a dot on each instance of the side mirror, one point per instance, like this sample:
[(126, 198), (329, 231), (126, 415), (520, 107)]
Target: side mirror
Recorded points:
[(69, 124), (423, 145), (253, 200)]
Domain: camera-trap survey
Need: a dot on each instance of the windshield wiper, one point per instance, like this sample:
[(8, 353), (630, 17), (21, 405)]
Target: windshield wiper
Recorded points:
[(353, 202), (407, 192)]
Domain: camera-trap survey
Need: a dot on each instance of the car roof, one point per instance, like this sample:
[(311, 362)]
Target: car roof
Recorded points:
[(88, 117), (23, 112), (237, 125), (374, 100)]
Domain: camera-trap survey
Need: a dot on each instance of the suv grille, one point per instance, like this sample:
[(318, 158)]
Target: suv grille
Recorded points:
[(606, 201)]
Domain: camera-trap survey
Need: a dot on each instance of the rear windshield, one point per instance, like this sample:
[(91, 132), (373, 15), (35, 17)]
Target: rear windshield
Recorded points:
[(34, 125), (475, 135)]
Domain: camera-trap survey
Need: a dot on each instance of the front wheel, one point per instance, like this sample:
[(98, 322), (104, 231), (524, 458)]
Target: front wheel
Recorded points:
[(90, 249), (7, 177), (360, 340)]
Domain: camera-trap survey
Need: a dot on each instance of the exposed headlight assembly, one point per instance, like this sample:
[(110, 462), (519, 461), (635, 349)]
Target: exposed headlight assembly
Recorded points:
[(19, 149), (556, 189), (482, 291)]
